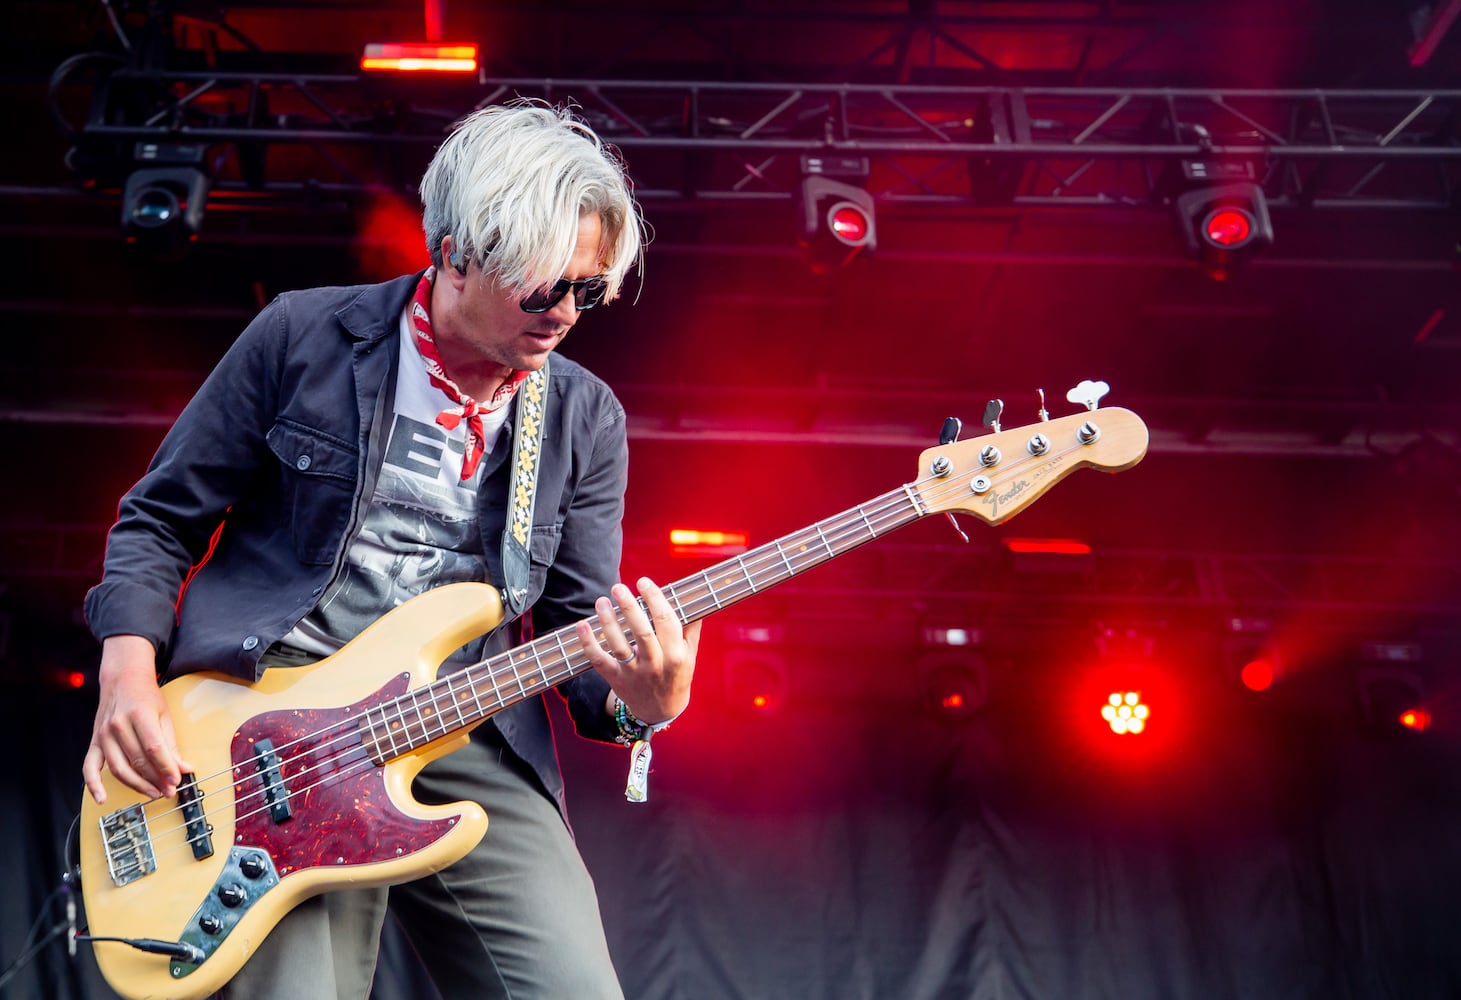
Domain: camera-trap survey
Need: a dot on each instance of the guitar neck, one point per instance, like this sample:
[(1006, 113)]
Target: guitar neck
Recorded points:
[(993, 477), (468, 696)]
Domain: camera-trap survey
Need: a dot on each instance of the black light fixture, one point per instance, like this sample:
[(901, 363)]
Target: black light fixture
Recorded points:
[(1222, 224), (837, 220), (952, 684), (165, 196), (755, 680)]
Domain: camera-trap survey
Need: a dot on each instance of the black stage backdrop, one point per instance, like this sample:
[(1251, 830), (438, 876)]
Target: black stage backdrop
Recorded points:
[(829, 852)]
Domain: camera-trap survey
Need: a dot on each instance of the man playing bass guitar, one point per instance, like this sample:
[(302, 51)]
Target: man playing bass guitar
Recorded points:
[(358, 446)]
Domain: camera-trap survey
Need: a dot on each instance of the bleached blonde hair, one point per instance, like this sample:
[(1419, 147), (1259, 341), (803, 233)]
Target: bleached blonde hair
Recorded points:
[(509, 186)]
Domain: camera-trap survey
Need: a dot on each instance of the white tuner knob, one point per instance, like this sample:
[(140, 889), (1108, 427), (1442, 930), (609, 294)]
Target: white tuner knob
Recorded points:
[(1088, 393)]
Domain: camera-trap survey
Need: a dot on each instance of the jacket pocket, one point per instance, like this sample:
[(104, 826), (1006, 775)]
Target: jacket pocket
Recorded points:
[(542, 550), (317, 477)]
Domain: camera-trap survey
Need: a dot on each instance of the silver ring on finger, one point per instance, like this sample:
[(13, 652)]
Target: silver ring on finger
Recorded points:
[(624, 661)]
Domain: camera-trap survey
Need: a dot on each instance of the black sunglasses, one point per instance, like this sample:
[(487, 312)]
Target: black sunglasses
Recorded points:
[(587, 293)]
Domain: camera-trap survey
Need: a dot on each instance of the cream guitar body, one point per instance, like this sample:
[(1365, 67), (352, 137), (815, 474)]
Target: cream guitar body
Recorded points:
[(351, 820)]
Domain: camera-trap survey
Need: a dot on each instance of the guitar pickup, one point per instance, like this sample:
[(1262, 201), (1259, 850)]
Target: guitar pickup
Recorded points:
[(200, 831), (270, 771)]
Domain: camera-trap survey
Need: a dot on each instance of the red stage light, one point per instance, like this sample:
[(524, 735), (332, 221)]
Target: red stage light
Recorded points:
[(1125, 712), (761, 701), (953, 702), (1416, 718), (849, 223), (694, 542), (76, 679), (1257, 675), (1051, 546), (412, 57), (1228, 228)]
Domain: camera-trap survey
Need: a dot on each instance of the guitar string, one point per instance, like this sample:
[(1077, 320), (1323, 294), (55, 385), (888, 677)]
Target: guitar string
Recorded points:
[(894, 500), (881, 508)]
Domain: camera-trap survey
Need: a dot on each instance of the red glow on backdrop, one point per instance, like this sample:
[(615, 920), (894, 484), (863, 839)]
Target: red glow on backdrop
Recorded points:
[(1257, 675), (952, 702), (420, 57), (390, 241), (76, 679), (1417, 719)]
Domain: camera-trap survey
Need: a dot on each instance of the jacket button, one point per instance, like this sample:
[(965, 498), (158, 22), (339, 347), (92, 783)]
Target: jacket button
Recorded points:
[(302, 463), (250, 642)]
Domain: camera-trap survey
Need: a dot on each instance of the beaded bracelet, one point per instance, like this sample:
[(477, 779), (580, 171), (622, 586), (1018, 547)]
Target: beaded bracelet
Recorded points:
[(632, 727)]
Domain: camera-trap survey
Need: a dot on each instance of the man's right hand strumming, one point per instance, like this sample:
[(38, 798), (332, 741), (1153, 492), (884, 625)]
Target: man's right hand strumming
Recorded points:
[(133, 733)]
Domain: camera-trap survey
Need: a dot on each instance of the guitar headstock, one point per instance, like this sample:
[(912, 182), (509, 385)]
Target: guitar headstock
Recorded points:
[(997, 475)]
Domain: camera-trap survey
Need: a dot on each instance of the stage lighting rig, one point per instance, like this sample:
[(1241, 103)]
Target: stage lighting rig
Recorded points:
[(165, 196), (837, 219), (952, 683), (1221, 224)]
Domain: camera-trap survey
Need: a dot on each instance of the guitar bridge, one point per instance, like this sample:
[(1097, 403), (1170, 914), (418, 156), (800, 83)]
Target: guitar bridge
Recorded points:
[(128, 845)]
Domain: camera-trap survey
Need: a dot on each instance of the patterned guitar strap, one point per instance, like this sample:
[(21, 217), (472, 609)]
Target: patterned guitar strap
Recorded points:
[(527, 444)]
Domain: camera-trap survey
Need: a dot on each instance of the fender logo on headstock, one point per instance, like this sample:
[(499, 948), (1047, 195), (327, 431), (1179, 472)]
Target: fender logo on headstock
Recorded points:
[(995, 499)]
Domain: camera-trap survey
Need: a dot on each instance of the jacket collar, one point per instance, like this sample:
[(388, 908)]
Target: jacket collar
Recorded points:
[(376, 311)]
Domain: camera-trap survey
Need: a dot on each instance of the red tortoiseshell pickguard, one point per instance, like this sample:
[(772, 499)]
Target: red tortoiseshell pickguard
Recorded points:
[(341, 812)]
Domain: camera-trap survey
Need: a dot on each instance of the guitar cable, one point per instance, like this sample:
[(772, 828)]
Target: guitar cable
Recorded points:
[(180, 950), (71, 883), (67, 926)]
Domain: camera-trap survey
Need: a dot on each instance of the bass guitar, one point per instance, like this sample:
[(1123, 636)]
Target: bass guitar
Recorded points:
[(303, 779)]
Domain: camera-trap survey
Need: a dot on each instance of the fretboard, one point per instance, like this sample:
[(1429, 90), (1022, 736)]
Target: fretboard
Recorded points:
[(470, 695)]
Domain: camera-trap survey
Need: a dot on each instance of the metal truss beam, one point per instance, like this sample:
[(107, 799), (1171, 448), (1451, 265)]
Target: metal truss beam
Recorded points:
[(687, 141)]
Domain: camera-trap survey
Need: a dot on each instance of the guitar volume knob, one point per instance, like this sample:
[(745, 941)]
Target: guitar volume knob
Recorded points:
[(232, 894)]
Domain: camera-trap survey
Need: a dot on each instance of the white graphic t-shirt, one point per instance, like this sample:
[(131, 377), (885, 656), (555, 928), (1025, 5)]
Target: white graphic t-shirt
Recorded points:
[(420, 530)]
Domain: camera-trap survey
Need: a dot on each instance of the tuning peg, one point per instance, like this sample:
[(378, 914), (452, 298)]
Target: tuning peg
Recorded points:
[(1044, 413), (992, 412), (942, 466), (1088, 393)]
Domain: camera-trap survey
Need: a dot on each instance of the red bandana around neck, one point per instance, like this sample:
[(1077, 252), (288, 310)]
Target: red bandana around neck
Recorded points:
[(467, 408)]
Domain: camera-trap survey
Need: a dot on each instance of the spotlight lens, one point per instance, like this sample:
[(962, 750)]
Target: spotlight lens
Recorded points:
[(1416, 718), (1228, 227), (1257, 675), (848, 223), (155, 207)]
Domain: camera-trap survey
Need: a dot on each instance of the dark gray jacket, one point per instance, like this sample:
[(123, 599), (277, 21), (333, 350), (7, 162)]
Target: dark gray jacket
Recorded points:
[(270, 462)]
